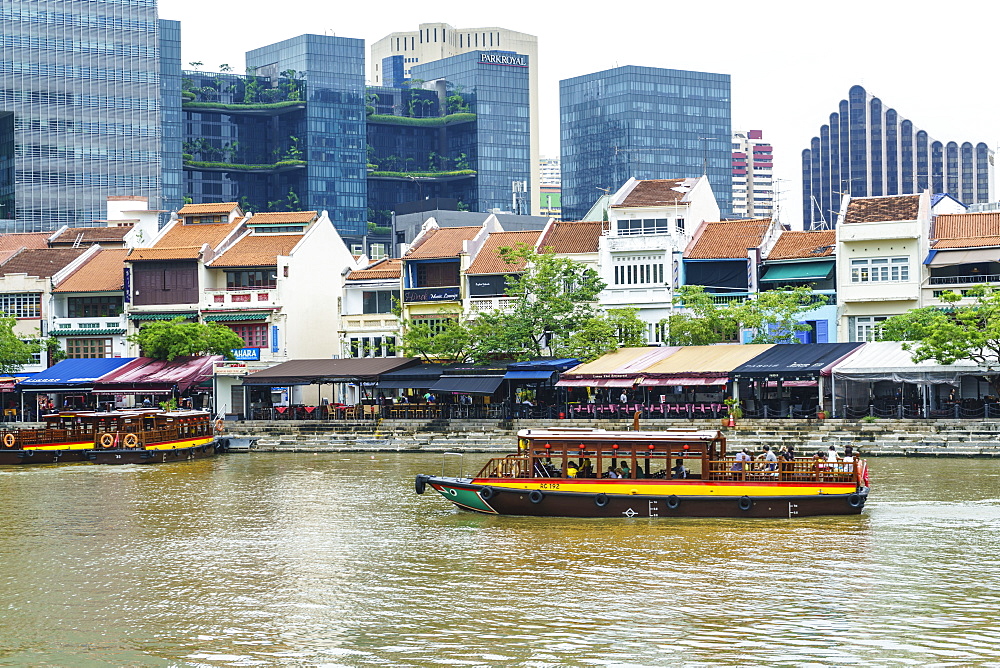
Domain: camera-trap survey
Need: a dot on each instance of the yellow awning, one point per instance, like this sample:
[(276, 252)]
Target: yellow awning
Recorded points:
[(719, 359)]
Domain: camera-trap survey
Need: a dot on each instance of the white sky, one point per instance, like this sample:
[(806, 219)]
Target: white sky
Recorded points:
[(791, 62)]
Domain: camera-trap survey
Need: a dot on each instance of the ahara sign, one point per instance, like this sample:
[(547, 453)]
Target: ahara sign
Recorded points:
[(246, 354), (503, 59)]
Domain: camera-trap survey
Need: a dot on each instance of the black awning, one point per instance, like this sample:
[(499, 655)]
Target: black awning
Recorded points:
[(794, 360), (467, 384), (306, 372), (415, 377)]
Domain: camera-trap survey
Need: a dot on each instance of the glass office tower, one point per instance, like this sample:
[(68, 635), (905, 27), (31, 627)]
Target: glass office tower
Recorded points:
[(869, 150), (334, 143), (79, 109), (642, 122)]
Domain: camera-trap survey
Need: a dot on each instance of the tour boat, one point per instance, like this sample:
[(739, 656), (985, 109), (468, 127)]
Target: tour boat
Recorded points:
[(561, 472), (140, 436)]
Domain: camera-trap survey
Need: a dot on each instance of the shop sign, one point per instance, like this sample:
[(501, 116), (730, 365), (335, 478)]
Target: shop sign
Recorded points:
[(430, 295), (231, 369), (246, 354)]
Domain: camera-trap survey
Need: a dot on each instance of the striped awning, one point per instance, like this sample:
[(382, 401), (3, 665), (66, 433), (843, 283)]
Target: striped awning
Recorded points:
[(162, 316), (237, 316), (85, 332)]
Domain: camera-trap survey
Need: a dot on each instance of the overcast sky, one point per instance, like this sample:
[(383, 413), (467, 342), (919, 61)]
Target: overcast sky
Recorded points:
[(790, 62)]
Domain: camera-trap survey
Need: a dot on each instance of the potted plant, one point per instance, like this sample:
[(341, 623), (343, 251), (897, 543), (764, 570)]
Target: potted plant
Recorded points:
[(735, 412), (821, 414)]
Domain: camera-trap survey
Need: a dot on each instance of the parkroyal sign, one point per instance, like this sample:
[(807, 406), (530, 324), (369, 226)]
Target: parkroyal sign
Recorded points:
[(501, 59)]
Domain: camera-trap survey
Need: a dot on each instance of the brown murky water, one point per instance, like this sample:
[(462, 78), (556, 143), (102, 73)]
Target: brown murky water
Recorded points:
[(332, 560)]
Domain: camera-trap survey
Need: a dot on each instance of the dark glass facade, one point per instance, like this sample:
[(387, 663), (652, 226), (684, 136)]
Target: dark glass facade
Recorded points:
[(869, 150), (82, 80), (643, 122), (171, 116)]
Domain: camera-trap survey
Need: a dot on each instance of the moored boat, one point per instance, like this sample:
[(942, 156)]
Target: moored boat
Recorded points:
[(66, 437), (674, 473)]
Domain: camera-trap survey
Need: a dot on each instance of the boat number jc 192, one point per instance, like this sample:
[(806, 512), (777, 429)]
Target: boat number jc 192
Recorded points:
[(549, 485)]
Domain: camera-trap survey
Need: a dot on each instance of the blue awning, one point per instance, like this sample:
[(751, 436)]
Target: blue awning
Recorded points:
[(73, 374), (528, 375), (561, 364)]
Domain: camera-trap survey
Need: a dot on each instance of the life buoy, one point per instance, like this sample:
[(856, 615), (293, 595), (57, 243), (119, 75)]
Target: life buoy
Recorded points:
[(131, 440), (220, 426), (746, 503), (536, 496), (855, 500), (673, 502), (486, 493), (601, 500), (9, 440), (107, 440)]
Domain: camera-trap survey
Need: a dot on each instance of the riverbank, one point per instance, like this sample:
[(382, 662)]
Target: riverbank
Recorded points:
[(929, 438)]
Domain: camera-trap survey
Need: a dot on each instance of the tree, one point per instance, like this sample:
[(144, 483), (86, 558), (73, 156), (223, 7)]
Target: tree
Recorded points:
[(772, 316), (966, 332), (166, 340), (14, 353), (605, 333), (449, 339)]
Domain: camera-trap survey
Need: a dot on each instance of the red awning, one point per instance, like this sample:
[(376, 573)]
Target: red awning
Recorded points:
[(793, 383), (144, 375), (598, 382), (689, 380)]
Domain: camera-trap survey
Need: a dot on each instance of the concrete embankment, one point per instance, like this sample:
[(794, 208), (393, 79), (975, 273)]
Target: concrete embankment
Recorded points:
[(932, 438)]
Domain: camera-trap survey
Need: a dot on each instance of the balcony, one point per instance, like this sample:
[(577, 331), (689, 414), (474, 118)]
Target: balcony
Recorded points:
[(973, 279), (240, 298), (370, 322), (646, 242), (94, 326), (643, 296), (481, 305)]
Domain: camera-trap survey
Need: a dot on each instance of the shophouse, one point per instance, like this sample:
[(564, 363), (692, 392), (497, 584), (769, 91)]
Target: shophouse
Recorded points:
[(881, 244), (369, 328), (806, 259), (964, 254), (486, 277), (88, 315), (649, 225)]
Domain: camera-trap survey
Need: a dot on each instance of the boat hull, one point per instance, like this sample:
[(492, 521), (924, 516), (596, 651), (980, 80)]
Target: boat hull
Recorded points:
[(41, 456), (153, 456), (694, 500)]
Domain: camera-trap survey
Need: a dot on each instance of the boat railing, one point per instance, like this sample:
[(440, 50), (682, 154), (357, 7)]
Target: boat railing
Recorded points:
[(511, 466), (798, 470)]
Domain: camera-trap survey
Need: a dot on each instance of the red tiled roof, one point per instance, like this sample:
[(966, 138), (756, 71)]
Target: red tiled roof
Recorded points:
[(442, 242), (11, 243), (101, 273), (728, 239), (257, 250), (184, 242), (40, 262), (489, 260), (208, 209), (797, 245), (966, 230), (657, 192), (387, 268), (92, 235), (282, 217), (573, 237), (882, 209)]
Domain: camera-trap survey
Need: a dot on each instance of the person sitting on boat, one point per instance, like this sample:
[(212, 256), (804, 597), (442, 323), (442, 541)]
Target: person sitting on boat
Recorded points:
[(571, 469), (679, 470), (741, 457), (848, 460), (611, 472), (770, 460), (624, 472), (788, 453), (831, 455)]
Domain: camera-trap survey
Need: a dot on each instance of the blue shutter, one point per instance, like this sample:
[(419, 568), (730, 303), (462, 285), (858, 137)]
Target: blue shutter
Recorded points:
[(822, 331)]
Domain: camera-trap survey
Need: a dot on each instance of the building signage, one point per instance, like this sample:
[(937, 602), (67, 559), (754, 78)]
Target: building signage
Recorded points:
[(231, 368), (503, 59), (430, 295), (274, 339), (246, 354)]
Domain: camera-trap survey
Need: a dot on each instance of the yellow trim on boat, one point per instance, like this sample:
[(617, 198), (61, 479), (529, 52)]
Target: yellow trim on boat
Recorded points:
[(680, 489)]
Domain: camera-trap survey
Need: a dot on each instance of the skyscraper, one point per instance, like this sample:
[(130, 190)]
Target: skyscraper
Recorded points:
[(642, 122), (753, 175), (80, 108), (869, 150)]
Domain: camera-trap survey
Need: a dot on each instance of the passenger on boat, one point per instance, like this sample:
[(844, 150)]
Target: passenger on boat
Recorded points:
[(624, 472), (586, 469), (571, 469), (831, 455), (848, 460), (611, 473), (679, 470), (770, 460), (788, 453), (741, 457)]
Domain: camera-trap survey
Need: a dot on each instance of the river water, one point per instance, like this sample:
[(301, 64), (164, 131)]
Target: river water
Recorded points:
[(331, 560)]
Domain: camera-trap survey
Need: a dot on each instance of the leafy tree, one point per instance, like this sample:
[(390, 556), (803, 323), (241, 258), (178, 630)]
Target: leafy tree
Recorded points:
[(450, 339), (605, 333), (14, 353), (959, 332), (772, 316), (166, 340)]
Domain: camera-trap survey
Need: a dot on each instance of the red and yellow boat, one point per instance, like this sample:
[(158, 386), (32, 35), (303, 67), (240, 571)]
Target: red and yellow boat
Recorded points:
[(674, 473)]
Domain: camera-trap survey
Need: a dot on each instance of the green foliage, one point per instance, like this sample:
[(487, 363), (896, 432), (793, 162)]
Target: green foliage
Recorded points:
[(245, 168), (168, 339), (958, 332), (169, 405), (605, 333), (14, 353), (429, 175), (241, 107), (450, 340), (433, 121), (772, 315)]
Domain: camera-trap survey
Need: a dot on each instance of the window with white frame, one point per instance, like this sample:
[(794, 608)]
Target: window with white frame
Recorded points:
[(628, 228), (639, 270), (880, 269), (21, 304), (866, 327)]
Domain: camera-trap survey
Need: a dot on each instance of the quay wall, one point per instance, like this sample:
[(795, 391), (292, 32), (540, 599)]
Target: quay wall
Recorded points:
[(932, 438)]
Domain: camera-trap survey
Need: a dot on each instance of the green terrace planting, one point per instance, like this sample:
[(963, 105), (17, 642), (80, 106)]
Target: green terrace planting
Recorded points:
[(243, 107), (236, 166), (433, 121), (428, 175)]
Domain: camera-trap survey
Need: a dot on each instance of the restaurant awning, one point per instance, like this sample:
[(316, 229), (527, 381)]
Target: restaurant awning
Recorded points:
[(9, 383), (467, 384), (950, 257), (624, 366), (795, 360), (798, 272), (308, 372), (888, 360), (710, 362), (528, 375), (418, 377), (73, 374), (145, 375), (686, 380)]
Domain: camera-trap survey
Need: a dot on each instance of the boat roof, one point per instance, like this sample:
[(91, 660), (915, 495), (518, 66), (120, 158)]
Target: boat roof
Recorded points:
[(604, 434)]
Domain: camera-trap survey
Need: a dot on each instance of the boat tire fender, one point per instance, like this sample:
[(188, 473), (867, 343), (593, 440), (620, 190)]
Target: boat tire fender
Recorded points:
[(536, 496), (106, 440), (855, 500), (601, 500), (673, 502), (486, 493), (746, 503), (8, 440), (420, 486)]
